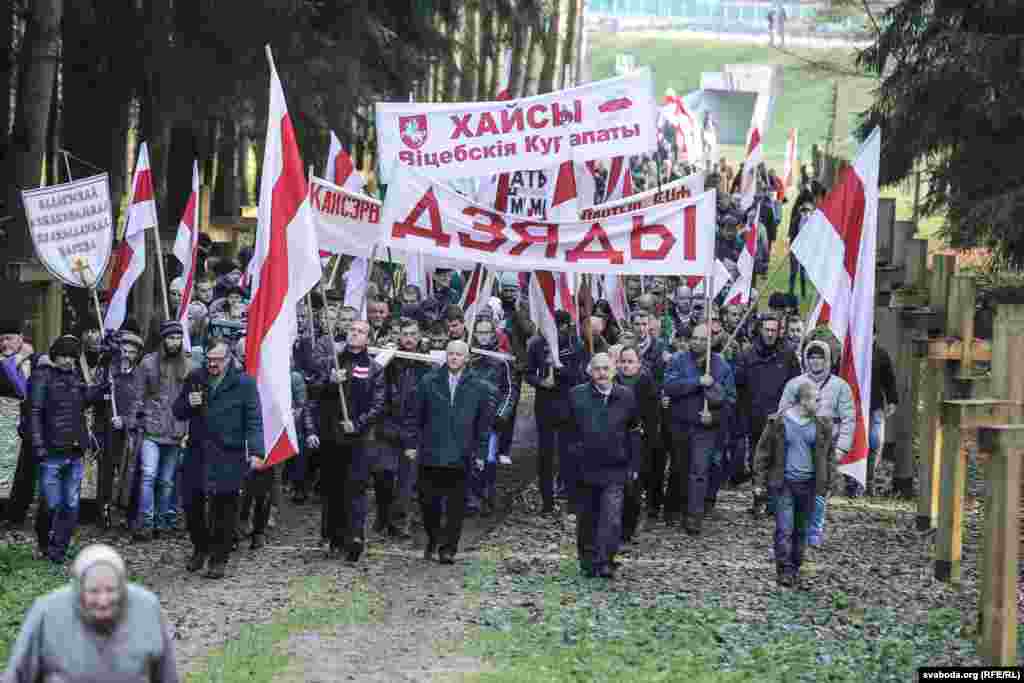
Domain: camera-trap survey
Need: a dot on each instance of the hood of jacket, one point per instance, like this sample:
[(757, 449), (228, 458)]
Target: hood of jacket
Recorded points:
[(828, 360)]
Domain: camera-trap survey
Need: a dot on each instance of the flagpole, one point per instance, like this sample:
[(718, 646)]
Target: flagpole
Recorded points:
[(709, 285), (753, 302), (160, 272), (369, 277), (323, 295)]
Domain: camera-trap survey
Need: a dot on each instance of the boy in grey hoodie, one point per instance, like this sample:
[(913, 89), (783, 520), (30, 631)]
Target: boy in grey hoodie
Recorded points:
[(835, 401)]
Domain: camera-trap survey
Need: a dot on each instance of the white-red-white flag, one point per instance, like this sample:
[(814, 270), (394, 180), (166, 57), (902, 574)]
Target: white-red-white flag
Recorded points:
[(790, 165), (740, 291), (341, 170), (130, 258), (287, 267), (837, 248), (567, 296), (543, 293), (618, 183), (477, 292), (564, 205), (615, 294), (355, 285), (674, 111), (186, 249), (748, 179)]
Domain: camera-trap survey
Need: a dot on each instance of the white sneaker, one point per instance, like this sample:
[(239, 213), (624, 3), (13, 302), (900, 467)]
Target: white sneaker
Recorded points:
[(504, 460)]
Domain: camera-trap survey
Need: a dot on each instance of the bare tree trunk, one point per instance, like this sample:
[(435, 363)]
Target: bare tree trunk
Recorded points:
[(7, 62), (520, 42), (549, 48), (531, 72), (469, 55), (55, 171), (228, 171), (38, 71), (487, 52), (569, 45), (453, 31)]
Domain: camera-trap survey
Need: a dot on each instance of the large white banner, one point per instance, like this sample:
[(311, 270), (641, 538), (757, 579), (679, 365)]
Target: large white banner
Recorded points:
[(690, 186), (423, 215), (72, 228), (614, 117), (346, 222)]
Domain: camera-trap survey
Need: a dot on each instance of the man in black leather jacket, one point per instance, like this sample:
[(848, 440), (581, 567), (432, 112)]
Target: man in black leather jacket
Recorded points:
[(59, 435)]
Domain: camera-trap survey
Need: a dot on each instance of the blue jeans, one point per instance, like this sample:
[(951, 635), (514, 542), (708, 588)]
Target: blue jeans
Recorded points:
[(794, 506), (62, 488), (156, 500), (816, 529)]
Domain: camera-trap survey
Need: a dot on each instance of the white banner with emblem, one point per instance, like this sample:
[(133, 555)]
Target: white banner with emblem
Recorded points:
[(72, 228)]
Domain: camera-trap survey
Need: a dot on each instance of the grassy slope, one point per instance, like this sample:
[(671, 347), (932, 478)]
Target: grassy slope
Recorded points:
[(806, 100)]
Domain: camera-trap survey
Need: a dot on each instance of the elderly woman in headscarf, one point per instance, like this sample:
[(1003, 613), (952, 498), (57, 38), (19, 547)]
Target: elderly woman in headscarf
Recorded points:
[(100, 628)]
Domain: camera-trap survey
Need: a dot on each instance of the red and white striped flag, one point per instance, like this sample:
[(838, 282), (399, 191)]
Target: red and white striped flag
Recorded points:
[(567, 296), (340, 168), (748, 180), (130, 259), (618, 184), (287, 267), (476, 292), (615, 294), (564, 203), (790, 165), (740, 291), (837, 248), (355, 286), (186, 249), (494, 189), (543, 290)]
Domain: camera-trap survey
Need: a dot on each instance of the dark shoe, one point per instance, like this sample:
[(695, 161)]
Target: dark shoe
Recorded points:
[(671, 520), (446, 557), (380, 525), (196, 562), (217, 570), (157, 533), (786, 579), (258, 541), (547, 510), (428, 552), (142, 536), (354, 550), (397, 533), (606, 573), (709, 507), (693, 524), (299, 499)]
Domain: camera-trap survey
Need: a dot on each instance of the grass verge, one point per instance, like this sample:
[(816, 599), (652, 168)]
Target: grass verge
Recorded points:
[(316, 604), (22, 579), (564, 628)]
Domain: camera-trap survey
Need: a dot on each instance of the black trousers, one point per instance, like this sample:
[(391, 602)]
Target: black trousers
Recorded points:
[(213, 532), (547, 434), (630, 509), (440, 488), (345, 473), (384, 486), (257, 498), (24, 485), (678, 476)]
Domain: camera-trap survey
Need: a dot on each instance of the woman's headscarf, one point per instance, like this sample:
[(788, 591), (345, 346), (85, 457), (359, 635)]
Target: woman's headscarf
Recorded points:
[(91, 557)]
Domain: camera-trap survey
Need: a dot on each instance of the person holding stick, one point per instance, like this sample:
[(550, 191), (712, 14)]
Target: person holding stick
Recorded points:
[(347, 399), (702, 392)]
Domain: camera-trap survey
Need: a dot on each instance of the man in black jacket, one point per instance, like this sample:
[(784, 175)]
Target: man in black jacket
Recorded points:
[(761, 375), (551, 405), (345, 443), (601, 413), (60, 437), (518, 328), (225, 427)]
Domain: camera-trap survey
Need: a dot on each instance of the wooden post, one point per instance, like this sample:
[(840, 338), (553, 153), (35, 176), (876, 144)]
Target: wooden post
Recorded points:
[(943, 266), (915, 263), (53, 315), (930, 433), (956, 417), (997, 604), (1007, 351), (965, 289), (886, 227)]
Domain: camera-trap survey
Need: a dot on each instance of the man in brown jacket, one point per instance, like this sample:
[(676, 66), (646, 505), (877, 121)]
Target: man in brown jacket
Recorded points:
[(796, 460)]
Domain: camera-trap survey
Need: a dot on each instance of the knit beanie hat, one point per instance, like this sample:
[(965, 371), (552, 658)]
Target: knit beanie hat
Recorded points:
[(169, 327), (66, 345)]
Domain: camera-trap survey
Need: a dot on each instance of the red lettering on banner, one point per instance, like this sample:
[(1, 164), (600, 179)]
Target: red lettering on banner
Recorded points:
[(511, 120), (314, 196), (461, 126), (636, 249), (531, 116), (329, 200), (608, 252), (494, 228), (526, 239), (690, 233), (428, 203), (374, 214), (486, 124)]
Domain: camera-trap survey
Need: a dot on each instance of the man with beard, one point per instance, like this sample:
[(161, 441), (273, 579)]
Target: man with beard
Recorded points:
[(225, 424), (346, 442), (518, 328), (126, 425), (701, 406), (551, 404), (161, 377), (401, 377), (451, 418), (59, 398), (499, 375), (15, 370), (762, 372)]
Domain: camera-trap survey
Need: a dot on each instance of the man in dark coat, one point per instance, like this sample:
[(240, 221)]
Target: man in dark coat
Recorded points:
[(60, 437), (518, 329), (500, 376), (761, 374), (654, 355), (551, 405), (346, 444), (396, 476), (452, 417), (702, 404), (222, 406), (601, 413)]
